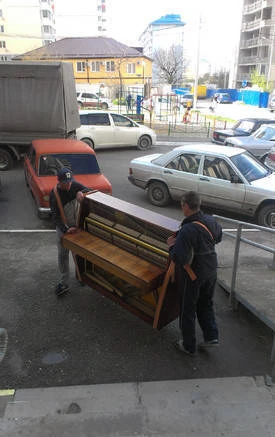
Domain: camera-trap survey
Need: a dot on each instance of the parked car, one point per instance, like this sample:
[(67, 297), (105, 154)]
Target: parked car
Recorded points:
[(92, 100), (271, 104), (46, 157), (101, 129), (223, 98), (270, 159), (187, 100), (259, 143), (227, 178), (243, 127)]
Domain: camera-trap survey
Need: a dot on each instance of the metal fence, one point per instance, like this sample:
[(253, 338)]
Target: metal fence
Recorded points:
[(199, 125), (247, 271)]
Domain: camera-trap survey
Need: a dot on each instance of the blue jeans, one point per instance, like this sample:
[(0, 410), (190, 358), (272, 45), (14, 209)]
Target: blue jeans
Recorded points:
[(196, 299)]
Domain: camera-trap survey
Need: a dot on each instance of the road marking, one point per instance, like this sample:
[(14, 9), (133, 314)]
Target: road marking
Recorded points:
[(26, 230), (9, 392)]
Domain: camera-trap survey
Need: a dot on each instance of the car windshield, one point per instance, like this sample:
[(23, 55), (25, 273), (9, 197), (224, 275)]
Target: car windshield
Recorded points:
[(265, 133), (82, 163), (249, 167), (244, 125)]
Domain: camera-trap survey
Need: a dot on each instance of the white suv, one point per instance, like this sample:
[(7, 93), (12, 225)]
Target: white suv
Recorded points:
[(102, 129), (92, 100)]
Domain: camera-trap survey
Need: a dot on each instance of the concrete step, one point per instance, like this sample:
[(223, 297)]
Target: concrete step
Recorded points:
[(231, 407)]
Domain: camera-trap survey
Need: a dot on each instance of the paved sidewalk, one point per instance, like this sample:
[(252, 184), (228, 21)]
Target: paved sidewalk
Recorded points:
[(232, 407)]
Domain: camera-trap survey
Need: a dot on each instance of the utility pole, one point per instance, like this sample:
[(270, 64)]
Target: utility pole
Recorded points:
[(197, 63)]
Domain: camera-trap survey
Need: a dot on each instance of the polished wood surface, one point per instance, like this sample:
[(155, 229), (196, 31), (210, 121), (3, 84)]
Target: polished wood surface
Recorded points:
[(117, 261), (120, 250)]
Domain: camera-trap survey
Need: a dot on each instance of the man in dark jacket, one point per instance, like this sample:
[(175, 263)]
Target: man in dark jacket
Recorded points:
[(68, 192), (193, 252)]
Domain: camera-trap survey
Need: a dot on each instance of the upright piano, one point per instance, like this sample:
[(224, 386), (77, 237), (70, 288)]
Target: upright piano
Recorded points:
[(120, 250)]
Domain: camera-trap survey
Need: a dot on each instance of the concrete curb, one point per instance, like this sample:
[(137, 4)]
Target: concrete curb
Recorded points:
[(230, 407)]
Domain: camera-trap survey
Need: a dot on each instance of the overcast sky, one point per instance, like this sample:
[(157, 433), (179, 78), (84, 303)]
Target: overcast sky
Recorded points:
[(129, 18)]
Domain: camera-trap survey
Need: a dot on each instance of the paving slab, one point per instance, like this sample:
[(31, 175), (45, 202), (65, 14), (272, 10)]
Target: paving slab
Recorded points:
[(230, 407)]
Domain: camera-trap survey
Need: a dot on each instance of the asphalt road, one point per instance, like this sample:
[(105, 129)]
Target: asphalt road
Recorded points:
[(84, 338)]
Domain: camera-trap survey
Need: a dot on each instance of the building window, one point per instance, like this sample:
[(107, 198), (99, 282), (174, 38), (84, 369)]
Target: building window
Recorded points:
[(2, 44), (46, 29), (2, 29), (4, 58), (80, 67), (46, 14), (95, 66), (47, 42), (131, 68), (110, 66)]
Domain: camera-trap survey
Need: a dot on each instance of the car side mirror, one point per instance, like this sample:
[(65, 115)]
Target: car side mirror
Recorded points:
[(235, 179)]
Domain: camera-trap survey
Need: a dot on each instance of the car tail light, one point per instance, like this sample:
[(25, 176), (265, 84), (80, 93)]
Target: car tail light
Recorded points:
[(271, 155), (130, 171)]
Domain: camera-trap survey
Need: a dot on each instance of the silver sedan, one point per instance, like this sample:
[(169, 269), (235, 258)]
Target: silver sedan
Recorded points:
[(259, 143), (227, 178)]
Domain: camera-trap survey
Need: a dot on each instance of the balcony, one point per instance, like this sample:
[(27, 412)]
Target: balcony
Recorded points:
[(253, 60), (257, 5), (252, 42), (251, 25)]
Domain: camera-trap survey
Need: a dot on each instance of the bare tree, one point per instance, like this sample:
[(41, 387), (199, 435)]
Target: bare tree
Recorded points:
[(170, 64)]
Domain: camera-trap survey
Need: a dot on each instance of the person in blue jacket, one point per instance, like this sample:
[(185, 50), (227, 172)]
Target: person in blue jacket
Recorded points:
[(193, 254)]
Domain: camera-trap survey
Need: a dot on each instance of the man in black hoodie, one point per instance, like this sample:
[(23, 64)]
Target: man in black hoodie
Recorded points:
[(193, 253)]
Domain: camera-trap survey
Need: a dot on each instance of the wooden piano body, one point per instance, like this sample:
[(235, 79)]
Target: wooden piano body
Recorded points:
[(121, 251)]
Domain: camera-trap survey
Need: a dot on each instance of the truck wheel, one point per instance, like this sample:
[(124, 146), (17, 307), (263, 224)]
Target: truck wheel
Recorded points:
[(144, 142), (158, 194), (6, 161), (89, 142), (266, 216)]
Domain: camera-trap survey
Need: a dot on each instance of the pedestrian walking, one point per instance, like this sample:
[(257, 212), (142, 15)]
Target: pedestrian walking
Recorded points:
[(193, 255), (64, 199), (129, 102)]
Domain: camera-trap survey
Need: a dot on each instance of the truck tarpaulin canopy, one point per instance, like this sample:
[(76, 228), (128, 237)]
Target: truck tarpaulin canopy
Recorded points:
[(40, 96)]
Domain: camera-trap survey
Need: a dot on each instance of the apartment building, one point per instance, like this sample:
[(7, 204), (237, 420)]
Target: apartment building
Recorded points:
[(256, 45), (89, 19), (162, 33), (25, 25)]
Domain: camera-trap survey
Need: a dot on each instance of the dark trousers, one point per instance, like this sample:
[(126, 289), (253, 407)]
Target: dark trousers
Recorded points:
[(196, 299)]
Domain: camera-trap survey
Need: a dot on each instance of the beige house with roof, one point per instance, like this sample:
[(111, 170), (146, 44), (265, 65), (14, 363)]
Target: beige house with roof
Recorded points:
[(100, 62)]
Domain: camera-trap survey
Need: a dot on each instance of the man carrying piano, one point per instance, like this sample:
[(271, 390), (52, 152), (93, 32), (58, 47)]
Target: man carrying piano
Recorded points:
[(63, 202), (192, 252)]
